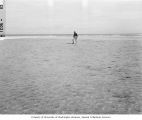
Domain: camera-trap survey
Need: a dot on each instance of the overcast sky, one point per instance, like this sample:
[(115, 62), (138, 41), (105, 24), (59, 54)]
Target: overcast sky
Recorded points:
[(64, 16)]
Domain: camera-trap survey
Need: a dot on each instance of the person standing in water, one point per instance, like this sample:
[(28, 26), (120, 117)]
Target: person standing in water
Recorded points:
[(75, 36)]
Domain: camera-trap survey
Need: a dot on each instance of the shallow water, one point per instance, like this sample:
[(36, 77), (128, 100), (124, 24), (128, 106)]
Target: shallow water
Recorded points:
[(48, 75)]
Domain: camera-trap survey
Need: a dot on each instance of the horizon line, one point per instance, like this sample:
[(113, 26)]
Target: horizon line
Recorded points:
[(72, 34)]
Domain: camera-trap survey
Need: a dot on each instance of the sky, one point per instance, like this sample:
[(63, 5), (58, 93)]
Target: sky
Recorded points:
[(65, 16)]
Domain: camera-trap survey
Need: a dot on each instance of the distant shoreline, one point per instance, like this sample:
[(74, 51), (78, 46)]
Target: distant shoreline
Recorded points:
[(122, 34)]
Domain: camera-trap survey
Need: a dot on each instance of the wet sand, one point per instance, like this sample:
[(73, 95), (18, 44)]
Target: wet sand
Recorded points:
[(50, 76)]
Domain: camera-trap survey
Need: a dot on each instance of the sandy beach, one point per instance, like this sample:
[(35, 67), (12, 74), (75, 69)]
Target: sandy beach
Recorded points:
[(99, 75)]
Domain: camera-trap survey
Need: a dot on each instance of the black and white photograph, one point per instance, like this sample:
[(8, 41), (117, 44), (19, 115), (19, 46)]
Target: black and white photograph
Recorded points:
[(81, 57)]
